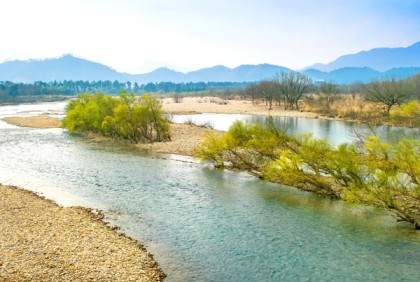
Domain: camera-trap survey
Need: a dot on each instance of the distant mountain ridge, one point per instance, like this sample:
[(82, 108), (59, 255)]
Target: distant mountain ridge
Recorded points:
[(406, 62), (352, 74), (380, 59), (243, 73), (69, 67), (66, 67)]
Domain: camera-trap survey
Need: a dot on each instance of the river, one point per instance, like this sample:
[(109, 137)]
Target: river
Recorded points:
[(334, 131), (204, 224)]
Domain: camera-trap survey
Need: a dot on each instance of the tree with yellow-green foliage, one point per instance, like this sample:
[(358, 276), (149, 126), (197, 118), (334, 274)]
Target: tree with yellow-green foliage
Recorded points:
[(373, 173), (137, 119), (245, 146)]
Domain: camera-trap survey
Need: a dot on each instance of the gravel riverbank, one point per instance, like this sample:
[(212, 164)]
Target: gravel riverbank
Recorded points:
[(41, 241)]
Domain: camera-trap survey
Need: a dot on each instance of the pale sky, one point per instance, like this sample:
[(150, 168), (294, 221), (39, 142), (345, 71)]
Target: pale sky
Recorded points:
[(136, 36)]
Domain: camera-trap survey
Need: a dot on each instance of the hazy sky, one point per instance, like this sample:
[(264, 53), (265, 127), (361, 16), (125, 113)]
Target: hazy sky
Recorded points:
[(140, 35)]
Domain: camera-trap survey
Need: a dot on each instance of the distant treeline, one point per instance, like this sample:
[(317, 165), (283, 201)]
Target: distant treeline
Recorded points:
[(272, 90), (21, 92)]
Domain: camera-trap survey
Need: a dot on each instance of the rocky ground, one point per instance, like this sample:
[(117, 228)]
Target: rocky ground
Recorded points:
[(41, 241)]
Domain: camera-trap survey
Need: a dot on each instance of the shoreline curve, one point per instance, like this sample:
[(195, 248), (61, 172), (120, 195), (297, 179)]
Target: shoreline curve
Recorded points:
[(40, 240)]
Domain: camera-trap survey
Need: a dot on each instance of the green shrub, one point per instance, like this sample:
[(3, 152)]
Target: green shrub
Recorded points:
[(126, 117)]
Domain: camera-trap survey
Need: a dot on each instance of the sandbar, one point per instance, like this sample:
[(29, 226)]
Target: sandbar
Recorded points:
[(40, 121)]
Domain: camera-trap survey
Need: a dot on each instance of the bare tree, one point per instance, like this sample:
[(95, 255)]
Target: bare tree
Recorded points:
[(415, 84), (292, 86), (177, 97), (329, 92), (268, 90), (390, 92), (252, 92)]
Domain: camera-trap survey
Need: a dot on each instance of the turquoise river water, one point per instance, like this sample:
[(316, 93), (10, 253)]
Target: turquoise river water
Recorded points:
[(203, 224)]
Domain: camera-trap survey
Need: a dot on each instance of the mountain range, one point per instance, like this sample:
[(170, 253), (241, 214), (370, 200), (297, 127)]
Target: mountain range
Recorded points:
[(379, 63), (380, 59), (350, 75)]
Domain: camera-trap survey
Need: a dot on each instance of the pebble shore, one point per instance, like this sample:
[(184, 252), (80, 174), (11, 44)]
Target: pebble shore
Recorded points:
[(41, 241)]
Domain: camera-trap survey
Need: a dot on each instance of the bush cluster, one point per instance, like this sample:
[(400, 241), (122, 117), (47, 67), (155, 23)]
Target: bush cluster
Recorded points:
[(137, 119)]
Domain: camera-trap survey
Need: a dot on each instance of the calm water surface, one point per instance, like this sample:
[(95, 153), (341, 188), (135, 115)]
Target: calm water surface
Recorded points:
[(334, 131), (204, 224)]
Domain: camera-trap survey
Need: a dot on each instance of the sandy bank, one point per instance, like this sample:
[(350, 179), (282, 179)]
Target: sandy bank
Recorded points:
[(184, 139), (41, 241), (195, 105), (40, 121)]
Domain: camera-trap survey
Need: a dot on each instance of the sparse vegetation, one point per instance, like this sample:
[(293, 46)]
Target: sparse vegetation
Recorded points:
[(390, 92), (206, 124), (328, 96), (177, 97), (372, 102)]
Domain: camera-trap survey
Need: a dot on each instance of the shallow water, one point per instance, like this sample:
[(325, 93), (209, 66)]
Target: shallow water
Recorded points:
[(204, 224)]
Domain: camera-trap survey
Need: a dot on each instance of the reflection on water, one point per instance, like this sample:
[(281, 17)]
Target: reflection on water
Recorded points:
[(336, 132), (204, 224)]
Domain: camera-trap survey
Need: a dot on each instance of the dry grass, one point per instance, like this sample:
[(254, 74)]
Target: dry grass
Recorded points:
[(345, 106)]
